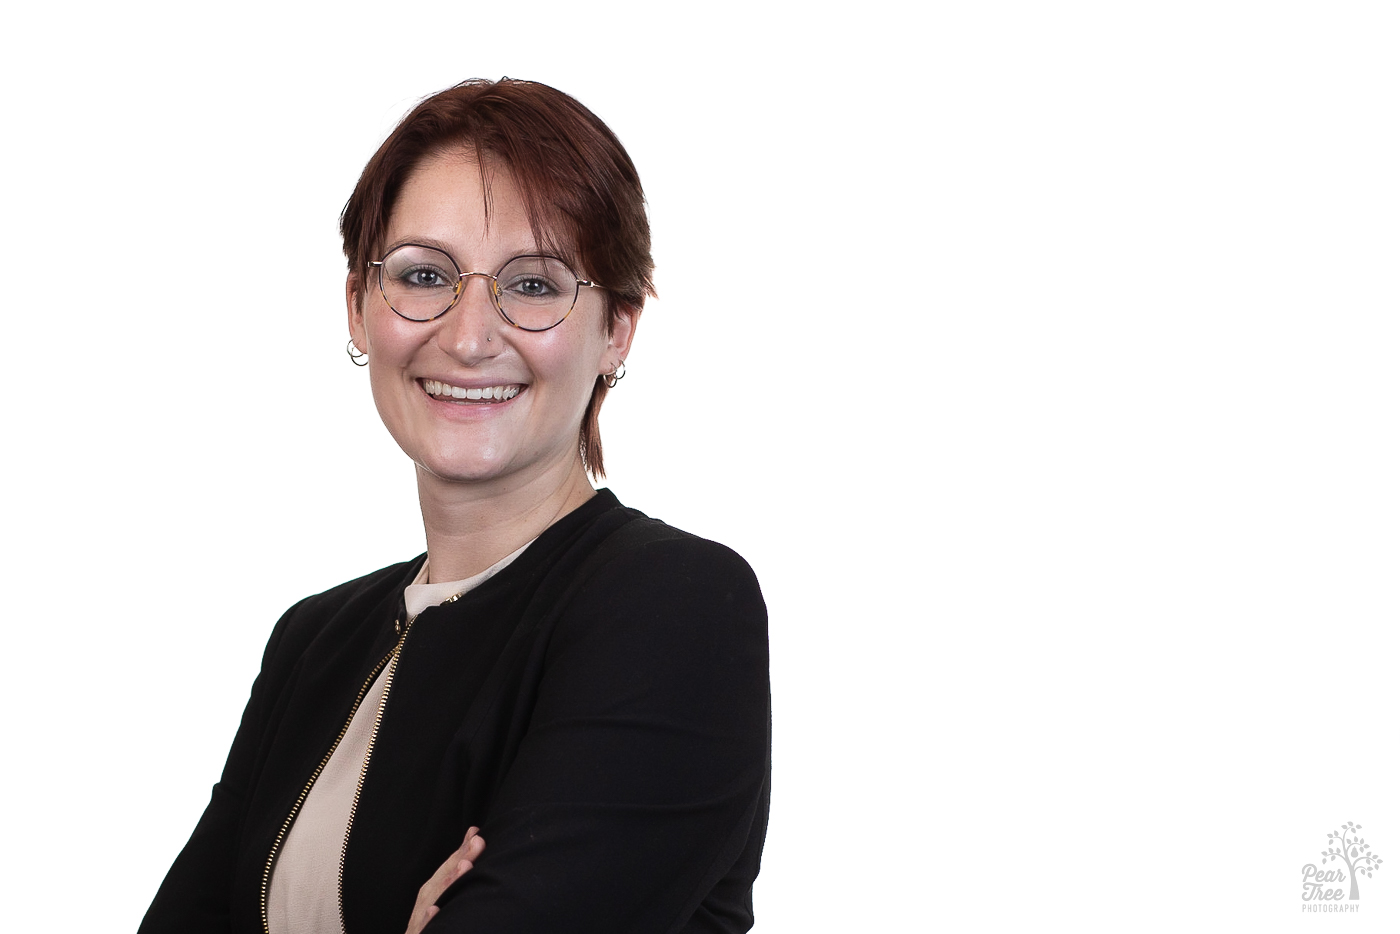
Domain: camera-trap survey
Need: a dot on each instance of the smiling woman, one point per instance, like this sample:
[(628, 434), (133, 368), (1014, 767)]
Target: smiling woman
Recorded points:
[(582, 686), (471, 345)]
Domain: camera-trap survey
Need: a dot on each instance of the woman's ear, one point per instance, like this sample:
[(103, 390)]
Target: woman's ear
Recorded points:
[(355, 312), (624, 328)]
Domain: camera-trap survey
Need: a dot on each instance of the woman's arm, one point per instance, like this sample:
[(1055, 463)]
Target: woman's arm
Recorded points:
[(642, 781)]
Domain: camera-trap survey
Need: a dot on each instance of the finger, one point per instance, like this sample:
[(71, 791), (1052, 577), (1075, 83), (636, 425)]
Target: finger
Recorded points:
[(453, 868), (420, 919), (469, 850), (449, 873)]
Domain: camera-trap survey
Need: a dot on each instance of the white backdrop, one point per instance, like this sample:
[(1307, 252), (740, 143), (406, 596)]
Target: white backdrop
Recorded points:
[(1041, 358)]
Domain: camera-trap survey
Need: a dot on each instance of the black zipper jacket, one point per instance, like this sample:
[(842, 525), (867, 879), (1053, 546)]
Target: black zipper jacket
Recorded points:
[(600, 708)]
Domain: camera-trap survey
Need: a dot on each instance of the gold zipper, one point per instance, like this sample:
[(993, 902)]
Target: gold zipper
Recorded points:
[(306, 790), (364, 766), (393, 662)]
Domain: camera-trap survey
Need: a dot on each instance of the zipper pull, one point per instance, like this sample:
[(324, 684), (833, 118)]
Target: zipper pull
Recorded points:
[(398, 627)]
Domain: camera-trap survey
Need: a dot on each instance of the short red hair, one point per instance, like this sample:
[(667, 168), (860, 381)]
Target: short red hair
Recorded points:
[(582, 194)]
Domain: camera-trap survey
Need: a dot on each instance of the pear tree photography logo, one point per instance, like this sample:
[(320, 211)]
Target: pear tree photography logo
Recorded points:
[(1348, 857)]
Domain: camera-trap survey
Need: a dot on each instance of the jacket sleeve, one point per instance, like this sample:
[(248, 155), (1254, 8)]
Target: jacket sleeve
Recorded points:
[(195, 895), (642, 779)]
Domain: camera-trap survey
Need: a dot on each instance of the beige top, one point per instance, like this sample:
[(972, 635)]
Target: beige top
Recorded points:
[(304, 895)]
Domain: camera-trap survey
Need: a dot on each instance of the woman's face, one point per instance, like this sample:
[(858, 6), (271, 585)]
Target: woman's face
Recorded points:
[(526, 437)]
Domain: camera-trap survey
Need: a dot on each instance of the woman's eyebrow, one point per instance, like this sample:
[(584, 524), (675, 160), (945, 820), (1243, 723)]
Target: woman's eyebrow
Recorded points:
[(531, 250), (418, 241)]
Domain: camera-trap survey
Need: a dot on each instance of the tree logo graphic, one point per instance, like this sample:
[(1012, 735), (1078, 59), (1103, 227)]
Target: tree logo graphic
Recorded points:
[(1348, 846)]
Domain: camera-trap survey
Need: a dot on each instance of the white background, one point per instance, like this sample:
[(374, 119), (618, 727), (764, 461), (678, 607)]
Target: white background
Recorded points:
[(1041, 358)]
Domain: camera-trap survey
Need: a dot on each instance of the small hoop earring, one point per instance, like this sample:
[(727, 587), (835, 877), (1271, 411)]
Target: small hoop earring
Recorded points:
[(612, 379), (357, 358)]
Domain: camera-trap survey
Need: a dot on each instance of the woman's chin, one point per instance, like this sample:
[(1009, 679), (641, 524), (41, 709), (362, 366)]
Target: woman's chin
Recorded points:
[(479, 466), (460, 470)]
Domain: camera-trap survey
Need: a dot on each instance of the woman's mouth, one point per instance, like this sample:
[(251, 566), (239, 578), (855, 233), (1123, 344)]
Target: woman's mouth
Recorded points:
[(483, 394)]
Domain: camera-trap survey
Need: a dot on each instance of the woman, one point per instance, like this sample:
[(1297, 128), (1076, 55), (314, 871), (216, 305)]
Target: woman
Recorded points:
[(585, 685)]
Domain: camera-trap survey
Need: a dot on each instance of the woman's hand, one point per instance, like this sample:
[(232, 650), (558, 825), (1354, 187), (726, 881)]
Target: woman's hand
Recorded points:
[(449, 872)]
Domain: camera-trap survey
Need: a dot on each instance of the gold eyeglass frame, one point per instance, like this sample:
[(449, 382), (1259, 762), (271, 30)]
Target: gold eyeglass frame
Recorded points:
[(458, 290)]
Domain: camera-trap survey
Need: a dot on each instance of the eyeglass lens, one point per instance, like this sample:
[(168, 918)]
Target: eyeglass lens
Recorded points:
[(533, 292)]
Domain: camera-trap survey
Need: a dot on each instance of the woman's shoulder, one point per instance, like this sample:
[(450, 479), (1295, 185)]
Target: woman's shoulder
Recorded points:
[(371, 586), (638, 545), (650, 545), (648, 573), (350, 604), (604, 541)]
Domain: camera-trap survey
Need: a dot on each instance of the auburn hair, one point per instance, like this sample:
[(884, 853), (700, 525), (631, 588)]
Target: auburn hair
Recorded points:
[(582, 194)]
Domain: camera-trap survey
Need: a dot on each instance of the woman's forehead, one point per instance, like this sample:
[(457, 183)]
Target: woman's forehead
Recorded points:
[(448, 197)]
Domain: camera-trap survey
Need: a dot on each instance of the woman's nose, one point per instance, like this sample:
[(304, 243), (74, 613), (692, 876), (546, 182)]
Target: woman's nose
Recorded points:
[(468, 328)]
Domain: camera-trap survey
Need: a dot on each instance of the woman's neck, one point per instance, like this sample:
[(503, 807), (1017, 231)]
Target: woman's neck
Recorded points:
[(471, 526)]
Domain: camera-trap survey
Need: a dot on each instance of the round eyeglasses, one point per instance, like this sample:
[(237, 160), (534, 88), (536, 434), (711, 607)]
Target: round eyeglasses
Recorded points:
[(533, 293)]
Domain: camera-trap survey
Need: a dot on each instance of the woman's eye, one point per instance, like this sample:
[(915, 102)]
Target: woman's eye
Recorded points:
[(532, 287), (425, 277)]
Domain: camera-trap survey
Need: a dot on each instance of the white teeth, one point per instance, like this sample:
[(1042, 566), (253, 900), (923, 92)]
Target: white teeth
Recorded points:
[(447, 391)]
